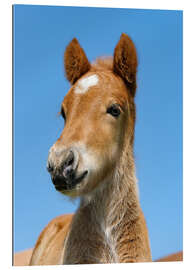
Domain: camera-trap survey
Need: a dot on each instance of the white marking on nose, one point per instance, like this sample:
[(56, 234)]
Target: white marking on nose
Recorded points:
[(85, 83)]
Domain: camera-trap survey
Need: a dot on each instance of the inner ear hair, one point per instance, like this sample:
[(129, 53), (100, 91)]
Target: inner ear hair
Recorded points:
[(75, 61), (125, 62)]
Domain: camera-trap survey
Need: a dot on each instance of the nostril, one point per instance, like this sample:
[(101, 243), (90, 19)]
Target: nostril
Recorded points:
[(69, 160), (68, 172), (50, 168)]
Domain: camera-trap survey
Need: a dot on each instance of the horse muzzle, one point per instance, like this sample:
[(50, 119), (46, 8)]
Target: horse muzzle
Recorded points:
[(63, 168)]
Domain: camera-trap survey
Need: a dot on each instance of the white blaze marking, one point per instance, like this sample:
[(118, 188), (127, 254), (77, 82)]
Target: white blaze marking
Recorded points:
[(85, 83)]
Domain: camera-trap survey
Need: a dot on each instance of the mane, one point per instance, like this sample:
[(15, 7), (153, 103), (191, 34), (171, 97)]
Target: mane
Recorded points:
[(103, 63)]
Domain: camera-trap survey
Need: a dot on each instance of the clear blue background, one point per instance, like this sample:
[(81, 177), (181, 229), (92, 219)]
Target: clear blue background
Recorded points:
[(41, 34)]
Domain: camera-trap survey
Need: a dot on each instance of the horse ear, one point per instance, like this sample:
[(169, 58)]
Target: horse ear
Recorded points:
[(75, 61), (125, 62)]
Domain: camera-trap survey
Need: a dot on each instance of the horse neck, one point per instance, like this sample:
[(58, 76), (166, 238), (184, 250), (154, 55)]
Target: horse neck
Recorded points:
[(118, 195)]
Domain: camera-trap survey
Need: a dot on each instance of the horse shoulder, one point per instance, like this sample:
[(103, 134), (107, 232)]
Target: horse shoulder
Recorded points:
[(49, 246)]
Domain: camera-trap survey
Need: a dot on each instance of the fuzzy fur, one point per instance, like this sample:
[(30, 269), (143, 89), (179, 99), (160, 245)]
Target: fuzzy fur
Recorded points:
[(109, 226), (75, 61), (125, 62)]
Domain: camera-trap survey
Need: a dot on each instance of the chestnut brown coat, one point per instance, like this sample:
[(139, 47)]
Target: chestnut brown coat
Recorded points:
[(99, 112)]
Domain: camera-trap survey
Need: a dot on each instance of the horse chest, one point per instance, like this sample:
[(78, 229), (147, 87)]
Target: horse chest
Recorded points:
[(110, 245)]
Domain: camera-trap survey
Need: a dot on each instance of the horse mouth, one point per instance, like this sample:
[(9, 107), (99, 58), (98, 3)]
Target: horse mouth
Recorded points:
[(69, 184)]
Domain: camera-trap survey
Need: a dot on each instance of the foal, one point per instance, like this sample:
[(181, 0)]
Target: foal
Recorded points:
[(93, 159)]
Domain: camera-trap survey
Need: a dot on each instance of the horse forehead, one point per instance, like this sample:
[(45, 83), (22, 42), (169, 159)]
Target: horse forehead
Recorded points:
[(100, 81), (85, 84), (94, 88)]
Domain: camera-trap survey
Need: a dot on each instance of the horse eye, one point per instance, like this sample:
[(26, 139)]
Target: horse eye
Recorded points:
[(63, 114), (114, 110)]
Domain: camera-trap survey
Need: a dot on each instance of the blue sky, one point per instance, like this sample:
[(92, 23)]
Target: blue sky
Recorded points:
[(41, 34)]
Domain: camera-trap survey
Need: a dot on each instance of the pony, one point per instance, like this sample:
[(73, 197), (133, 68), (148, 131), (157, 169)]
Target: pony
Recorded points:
[(93, 159)]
